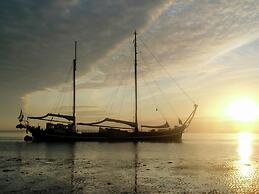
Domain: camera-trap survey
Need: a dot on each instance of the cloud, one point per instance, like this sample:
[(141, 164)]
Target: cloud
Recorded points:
[(186, 39), (37, 39)]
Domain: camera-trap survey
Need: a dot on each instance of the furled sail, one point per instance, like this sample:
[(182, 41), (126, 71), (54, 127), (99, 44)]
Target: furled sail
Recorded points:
[(166, 125), (67, 117), (132, 124)]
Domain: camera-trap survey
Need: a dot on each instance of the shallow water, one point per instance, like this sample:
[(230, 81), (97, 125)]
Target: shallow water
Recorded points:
[(215, 163)]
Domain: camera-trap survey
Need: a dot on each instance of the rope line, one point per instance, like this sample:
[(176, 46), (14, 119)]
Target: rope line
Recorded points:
[(164, 68), (154, 81)]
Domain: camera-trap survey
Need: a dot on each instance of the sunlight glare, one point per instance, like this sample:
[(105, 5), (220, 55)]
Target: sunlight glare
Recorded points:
[(245, 152), (243, 110)]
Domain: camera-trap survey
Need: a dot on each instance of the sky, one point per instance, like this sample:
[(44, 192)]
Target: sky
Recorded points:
[(202, 51)]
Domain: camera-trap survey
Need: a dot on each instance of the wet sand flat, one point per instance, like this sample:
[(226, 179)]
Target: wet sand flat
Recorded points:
[(198, 165)]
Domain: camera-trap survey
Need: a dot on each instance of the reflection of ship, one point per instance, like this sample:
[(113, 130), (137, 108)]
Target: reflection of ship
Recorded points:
[(57, 130)]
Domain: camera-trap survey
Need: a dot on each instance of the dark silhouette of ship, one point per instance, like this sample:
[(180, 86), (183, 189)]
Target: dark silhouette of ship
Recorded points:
[(66, 131)]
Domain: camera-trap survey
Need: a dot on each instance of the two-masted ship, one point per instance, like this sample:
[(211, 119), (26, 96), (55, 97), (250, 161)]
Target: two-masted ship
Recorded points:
[(66, 131)]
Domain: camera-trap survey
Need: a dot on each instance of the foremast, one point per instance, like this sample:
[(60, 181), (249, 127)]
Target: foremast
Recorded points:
[(74, 89)]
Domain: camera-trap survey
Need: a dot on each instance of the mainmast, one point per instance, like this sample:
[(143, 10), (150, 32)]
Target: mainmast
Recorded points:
[(136, 84), (74, 90)]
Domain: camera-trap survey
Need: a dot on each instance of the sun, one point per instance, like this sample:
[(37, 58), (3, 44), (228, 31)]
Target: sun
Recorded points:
[(243, 110)]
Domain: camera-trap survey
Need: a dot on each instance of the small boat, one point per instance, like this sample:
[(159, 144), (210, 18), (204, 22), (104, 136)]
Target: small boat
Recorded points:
[(66, 131)]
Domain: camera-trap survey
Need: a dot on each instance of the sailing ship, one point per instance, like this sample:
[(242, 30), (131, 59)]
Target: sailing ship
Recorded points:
[(66, 131)]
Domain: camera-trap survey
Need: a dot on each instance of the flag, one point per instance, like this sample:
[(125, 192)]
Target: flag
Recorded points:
[(21, 116)]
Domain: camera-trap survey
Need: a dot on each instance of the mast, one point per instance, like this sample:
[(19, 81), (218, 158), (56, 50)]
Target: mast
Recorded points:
[(74, 90), (136, 86)]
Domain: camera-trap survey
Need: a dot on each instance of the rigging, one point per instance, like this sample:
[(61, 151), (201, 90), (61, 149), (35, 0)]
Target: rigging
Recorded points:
[(164, 68)]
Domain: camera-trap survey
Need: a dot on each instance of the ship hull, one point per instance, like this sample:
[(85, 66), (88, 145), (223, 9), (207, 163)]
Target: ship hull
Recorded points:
[(168, 136)]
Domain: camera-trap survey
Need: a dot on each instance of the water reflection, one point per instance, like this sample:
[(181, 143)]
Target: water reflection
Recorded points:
[(136, 167), (245, 147)]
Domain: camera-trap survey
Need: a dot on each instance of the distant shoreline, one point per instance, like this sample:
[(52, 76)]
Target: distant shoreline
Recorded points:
[(11, 130)]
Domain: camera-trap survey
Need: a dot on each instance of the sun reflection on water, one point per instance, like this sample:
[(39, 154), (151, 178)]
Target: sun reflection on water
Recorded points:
[(245, 147)]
